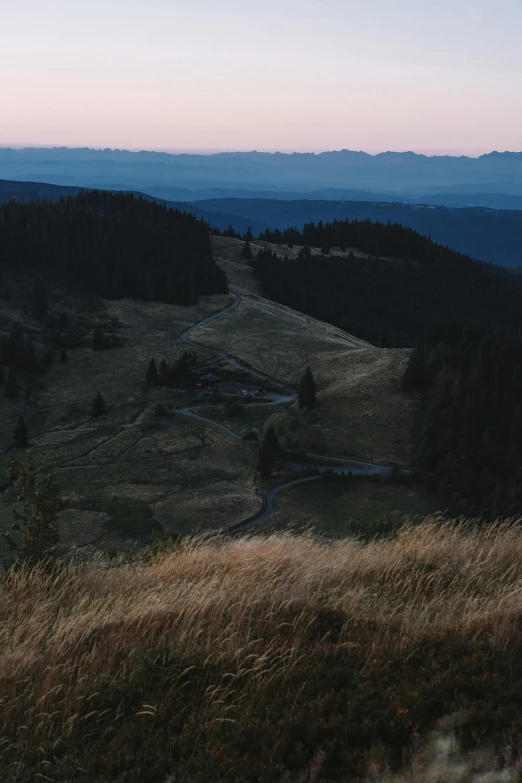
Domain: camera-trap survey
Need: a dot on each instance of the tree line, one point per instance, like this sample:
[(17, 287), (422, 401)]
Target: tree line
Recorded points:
[(376, 239), (116, 245)]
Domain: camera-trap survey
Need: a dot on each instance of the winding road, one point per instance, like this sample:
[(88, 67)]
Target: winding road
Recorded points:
[(287, 395)]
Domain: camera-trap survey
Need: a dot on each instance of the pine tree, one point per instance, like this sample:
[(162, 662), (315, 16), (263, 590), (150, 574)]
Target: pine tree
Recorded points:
[(98, 406), (38, 494), (98, 339), (20, 436), (269, 454), (12, 351), (247, 250), (11, 386), (307, 391), (415, 375), (249, 235), (163, 373), (30, 360), (151, 375), (264, 465), (63, 356)]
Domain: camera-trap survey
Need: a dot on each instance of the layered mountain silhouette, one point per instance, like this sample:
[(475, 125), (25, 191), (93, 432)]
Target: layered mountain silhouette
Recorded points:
[(493, 180)]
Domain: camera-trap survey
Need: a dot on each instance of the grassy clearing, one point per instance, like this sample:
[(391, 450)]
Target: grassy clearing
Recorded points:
[(256, 659)]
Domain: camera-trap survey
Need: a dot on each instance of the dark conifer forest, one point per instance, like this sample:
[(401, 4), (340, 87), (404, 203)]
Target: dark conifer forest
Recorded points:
[(470, 428), (405, 285), (114, 244)]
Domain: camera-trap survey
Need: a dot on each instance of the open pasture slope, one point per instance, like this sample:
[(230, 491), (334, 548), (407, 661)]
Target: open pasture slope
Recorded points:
[(254, 659)]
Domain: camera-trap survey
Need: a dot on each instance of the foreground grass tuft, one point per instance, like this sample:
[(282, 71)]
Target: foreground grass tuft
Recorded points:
[(262, 659)]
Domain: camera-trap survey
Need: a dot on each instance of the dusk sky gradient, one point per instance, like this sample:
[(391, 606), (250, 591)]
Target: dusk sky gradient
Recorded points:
[(280, 75)]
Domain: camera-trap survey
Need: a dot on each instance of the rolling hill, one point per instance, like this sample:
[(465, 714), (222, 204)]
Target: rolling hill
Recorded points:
[(488, 235)]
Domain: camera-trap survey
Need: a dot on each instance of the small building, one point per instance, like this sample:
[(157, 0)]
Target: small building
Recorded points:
[(210, 381)]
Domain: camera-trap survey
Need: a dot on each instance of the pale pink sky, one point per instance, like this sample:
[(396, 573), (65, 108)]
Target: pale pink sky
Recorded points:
[(277, 75)]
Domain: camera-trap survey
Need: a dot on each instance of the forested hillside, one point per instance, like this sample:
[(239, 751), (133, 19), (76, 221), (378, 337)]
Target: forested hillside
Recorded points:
[(492, 235), (115, 244), (373, 237), (470, 431), (407, 283)]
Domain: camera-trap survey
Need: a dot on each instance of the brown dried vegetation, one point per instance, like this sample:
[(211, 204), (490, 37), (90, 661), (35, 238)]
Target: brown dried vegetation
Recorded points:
[(243, 616)]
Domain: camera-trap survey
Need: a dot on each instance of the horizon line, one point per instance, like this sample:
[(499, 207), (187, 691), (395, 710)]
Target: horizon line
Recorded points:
[(449, 152)]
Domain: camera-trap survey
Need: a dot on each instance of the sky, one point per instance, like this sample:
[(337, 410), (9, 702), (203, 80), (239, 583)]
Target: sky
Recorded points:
[(287, 75)]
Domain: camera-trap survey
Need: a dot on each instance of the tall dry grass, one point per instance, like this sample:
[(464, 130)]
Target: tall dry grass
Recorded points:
[(252, 603)]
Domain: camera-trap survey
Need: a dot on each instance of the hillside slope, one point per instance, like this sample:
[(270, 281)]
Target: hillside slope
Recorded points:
[(362, 408), (130, 471)]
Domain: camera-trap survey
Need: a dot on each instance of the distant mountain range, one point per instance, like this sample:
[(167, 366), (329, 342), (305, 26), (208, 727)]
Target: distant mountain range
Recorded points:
[(486, 234), (492, 180)]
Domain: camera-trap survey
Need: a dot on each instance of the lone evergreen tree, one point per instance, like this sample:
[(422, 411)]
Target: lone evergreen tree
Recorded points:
[(11, 386), (98, 339), (20, 436), (247, 250), (98, 406), (12, 350), (307, 395), (249, 235), (151, 375), (270, 452), (164, 374)]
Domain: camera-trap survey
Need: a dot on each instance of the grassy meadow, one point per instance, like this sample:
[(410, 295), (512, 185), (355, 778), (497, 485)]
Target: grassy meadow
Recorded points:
[(269, 658)]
